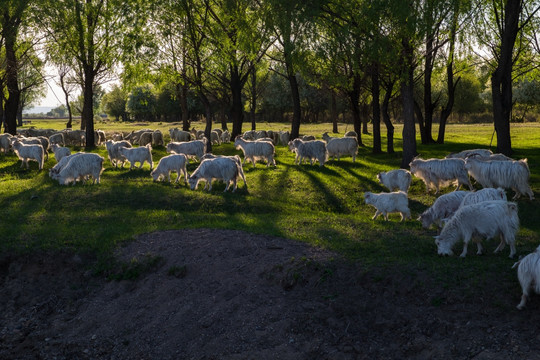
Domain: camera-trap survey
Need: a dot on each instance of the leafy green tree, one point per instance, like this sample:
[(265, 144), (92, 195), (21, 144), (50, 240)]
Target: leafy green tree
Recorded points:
[(114, 102), (141, 104)]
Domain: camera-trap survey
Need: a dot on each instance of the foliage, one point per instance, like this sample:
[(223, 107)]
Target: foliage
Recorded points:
[(141, 104), (114, 102)]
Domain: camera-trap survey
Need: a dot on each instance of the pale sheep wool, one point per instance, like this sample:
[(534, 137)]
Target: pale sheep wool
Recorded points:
[(309, 150), (190, 148), (139, 155), (256, 150), (444, 207), (157, 138), (168, 164), (342, 146), (113, 151), (79, 168), (5, 142), (178, 135), (284, 137), (468, 153), (386, 203), (220, 168), (399, 179), (57, 138), (528, 273), (60, 151), (28, 152), (486, 194), (233, 157), (440, 172), (483, 220)]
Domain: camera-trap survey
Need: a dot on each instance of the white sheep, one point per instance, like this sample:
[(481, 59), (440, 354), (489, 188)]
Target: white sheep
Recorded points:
[(145, 138), (351, 133), (486, 194), (528, 272), (167, 164), (74, 137), (38, 140), (157, 138), (399, 179), (308, 138), (60, 151), (55, 170), (256, 150), (5, 142), (440, 172), (57, 138), (234, 157), (468, 153), (226, 137), (28, 152), (483, 220), (443, 208), (284, 137), (139, 155), (178, 135), (309, 150), (388, 203), (220, 168), (190, 148), (499, 157), (505, 174), (342, 146), (80, 167), (113, 151)]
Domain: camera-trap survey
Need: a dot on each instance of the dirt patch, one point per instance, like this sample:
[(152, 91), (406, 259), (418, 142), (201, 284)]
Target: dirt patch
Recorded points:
[(205, 294)]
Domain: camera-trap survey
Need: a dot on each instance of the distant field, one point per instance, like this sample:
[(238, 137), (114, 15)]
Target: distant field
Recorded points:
[(321, 206)]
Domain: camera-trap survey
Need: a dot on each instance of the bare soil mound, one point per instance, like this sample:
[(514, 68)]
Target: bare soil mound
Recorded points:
[(207, 294)]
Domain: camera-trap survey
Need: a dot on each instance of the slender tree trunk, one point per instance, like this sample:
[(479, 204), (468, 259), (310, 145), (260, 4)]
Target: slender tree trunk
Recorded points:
[(387, 121), (333, 112), (12, 101), (407, 97), (87, 117), (429, 107), (451, 86), (69, 124), (19, 113), (2, 115), (253, 98), (354, 99), (365, 118), (375, 92), (420, 119), (208, 128), (237, 110)]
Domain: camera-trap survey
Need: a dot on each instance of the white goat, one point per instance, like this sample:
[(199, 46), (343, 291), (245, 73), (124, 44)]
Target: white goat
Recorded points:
[(351, 133), (5, 142), (505, 174), (190, 148), (256, 150), (388, 203), (342, 146), (443, 208), (80, 167), (57, 138), (226, 137), (487, 220), (167, 164), (114, 154), (139, 155), (395, 179), (60, 152), (327, 137), (284, 137), (74, 137), (468, 153), (220, 168), (309, 150), (486, 194), (234, 157), (528, 273), (440, 172), (145, 138), (157, 138), (178, 135), (55, 170), (28, 152)]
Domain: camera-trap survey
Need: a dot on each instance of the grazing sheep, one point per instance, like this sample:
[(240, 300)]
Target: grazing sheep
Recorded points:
[(486, 194), (388, 203), (498, 157), (284, 137), (178, 135), (312, 150), (219, 132), (60, 152), (74, 137), (487, 220), (80, 167), (99, 137), (39, 140), (135, 136), (214, 138), (226, 137), (444, 207), (327, 137), (169, 163), (256, 150), (28, 152), (220, 168), (308, 138), (145, 138), (57, 138), (440, 172), (505, 174), (139, 154), (528, 273), (351, 134), (5, 142), (157, 138), (342, 146), (395, 179), (191, 148), (112, 150), (234, 157), (55, 170), (468, 153)]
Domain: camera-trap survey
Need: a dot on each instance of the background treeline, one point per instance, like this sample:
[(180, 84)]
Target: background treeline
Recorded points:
[(419, 62)]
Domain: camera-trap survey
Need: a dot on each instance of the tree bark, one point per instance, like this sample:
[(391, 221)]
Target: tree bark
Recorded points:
[(253, 98), (208, 128), (375, 93), (87, 116), (429, 107), (297, 110), (237, 110), (12, 102), (386, 119), (407, 97), (333, 112), (354, 99)]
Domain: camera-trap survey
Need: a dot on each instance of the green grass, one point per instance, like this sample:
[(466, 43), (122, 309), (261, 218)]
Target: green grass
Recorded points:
[(320, 206)]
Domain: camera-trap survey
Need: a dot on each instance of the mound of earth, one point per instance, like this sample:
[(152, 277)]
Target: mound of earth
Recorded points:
[(221, 294)]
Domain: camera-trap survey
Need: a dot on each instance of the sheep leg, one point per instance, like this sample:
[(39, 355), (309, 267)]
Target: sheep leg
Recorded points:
[(465, 244), (479, 247), (524, 298), (385, 214), (501, 245), (377, 213), (228, 182)]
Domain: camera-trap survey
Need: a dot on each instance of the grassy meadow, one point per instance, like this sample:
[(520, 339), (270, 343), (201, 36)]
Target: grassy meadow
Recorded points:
[(321, 206)]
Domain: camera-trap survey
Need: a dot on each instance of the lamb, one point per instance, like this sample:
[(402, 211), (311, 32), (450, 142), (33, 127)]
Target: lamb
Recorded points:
[(444, 207), (504, 174), (486, 194), (191, 148), (80, 167), (312, 150), (235, 158), (139, 154), (528, 272), (388, 203), (112, 150), (5, 142), (437, 172), (486, 219), (395, 179), (60, 152), (221, 168), (25, 153), (468, 153), (157, 138), (255, 150), (178, 135), (39, 140), (57, 138), (342, 146), (167, 164)]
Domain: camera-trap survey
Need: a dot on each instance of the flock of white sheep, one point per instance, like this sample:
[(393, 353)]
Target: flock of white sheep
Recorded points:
[(459, 215)]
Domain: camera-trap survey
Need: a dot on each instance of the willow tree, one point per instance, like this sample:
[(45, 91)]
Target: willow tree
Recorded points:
[(93, 35)]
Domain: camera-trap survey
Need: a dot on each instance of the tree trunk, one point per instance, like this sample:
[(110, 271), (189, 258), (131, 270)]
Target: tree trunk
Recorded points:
[(365, 118), (386, 119), (354, 99), (420, 119), (407, 97), (69, 124), (375, 93), (333, 112), (297, 110), (208, 128), (237, 110), (445, 113), (429, 107), (19, 113), (11, 74), (87, 116), (253, 98)]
